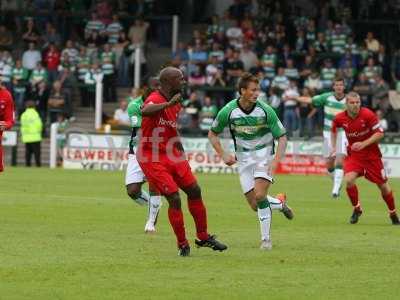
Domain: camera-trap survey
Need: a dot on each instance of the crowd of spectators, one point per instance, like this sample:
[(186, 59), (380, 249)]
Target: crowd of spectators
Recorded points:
[(292, 54), (65, 46)]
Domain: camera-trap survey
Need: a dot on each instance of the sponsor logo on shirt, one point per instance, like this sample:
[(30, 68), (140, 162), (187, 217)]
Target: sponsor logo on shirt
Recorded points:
[(357, 134), (169, 123)]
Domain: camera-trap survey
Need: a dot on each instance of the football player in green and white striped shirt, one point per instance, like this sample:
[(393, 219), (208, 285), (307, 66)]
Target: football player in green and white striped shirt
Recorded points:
[(254, 126), (333, 103)]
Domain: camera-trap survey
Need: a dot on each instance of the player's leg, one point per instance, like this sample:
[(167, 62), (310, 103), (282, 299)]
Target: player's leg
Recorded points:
[(159, 175), (341, 145), (375, 172), (264, 211), (134, 179), (154, 208), (326, 153), (352, 192), (187, 182)]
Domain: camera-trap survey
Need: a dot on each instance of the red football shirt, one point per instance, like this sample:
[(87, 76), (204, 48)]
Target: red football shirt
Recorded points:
[(6, 109), (358, 130), (159, 131)]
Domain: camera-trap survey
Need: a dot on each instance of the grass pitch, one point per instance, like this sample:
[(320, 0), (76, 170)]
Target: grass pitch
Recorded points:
[(76, 235)]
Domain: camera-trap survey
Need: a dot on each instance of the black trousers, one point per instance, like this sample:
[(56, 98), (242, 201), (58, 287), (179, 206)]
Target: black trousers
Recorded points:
[(109, 88), (32, 148)]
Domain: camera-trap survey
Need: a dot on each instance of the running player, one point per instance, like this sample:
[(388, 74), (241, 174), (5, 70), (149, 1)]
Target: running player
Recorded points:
[(254, 126), (333, 103), (162, 159), (364, 157)]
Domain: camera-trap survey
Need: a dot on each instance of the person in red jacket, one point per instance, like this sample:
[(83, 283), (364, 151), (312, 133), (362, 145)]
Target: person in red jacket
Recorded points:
[(6, 115), (364, 158), (52, 61)]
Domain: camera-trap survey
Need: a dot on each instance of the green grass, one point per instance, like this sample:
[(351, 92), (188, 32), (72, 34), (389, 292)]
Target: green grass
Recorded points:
[(75, 235)]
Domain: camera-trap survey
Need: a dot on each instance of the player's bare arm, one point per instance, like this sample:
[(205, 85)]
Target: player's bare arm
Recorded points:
[(280, 152), (376, 137), (304, 99), (228, 158), (152, 109)]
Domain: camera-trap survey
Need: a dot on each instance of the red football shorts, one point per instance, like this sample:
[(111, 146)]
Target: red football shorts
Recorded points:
[(372, 170), (165, 175)]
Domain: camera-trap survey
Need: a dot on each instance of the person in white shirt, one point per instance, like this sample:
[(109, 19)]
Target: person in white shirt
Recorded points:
[(290, 113), (121, 117), (31, 57)]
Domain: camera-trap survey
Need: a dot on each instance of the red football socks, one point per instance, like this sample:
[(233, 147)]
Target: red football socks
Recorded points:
[(352, 192), (389, 199), (175, 216), (198, 211)]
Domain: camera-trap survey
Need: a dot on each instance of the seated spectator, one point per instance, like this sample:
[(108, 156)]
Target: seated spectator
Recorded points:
[(208, 113), (301, 43), (113, 30), (313, 83), (56, 103), (380, 94), (19, 83), (306, 117), (371, 70), (371, 43), (217, 52), (382, 121), (364, 88), (321, 44), (38, 75), (93, 75), (6, 66), (311, 32), (52, 60), (31, 34), (196, 77), (6, 39), (233, 67), (248, 57), (95, 24), (269, 61), (338, 40), (182, 52), (107, 60), (31, 57), (51, 36), (328, 73), (70, 51), (138, 31), (281, 82), (348, 72), (290, 110), (291, 71), (212, 69), (121, 118)]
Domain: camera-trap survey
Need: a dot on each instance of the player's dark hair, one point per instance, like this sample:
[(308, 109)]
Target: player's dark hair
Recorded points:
[(244, 81), (338, 78)]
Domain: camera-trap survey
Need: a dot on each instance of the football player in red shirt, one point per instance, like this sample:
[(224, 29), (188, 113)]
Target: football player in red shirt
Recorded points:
[(161, 156), (364, 157), (6, 115)]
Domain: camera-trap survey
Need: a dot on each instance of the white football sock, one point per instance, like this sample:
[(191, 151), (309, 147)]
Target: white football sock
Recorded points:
[(264, 216), (337, 180), (154, 208), (274, 203), (143, 198)]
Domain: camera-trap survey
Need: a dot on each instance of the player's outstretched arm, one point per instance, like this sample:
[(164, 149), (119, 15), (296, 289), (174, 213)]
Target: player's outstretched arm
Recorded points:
[(152, 109), (216, 143), (304, 99)]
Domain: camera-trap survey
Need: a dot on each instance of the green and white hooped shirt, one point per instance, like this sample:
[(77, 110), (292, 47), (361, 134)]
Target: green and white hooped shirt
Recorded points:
[(332, 107), (250, 130)]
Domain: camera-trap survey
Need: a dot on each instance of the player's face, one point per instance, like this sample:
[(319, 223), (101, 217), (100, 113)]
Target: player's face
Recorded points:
[(338, 87), (251, 92), (353, 105), (177, 82)]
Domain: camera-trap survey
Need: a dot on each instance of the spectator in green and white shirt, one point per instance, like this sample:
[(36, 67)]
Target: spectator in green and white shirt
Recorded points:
[(328, 73), (280, 81), (38, 75), (71, 51), (113, 30), (269, 61), (107, 60), (19, 81), (94, 25)]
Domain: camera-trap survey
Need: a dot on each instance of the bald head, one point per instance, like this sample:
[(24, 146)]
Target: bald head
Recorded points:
[(171, 80)]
